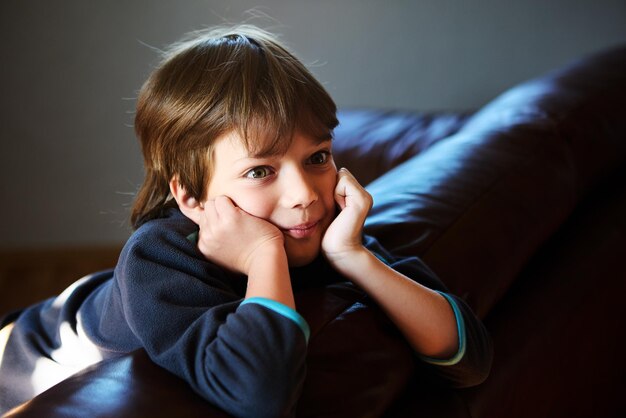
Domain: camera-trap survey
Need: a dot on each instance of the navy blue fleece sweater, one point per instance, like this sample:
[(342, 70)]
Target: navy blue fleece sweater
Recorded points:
[(246, 357)]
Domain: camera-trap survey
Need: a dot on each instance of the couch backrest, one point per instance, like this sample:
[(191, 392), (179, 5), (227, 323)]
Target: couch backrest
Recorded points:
[(478, 203)]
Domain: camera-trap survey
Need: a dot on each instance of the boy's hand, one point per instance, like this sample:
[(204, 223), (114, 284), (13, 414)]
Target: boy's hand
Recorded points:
[(233, 238), (343, 238)]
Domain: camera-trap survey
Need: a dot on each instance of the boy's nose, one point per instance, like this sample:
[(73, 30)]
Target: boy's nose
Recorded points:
[(299, 190)]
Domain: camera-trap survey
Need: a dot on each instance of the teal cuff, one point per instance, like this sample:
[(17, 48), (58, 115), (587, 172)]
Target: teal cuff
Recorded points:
[(460, 326), (284, 310)]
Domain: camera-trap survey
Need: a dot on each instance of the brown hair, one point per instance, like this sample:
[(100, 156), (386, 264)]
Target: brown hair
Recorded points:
[(212, 83)]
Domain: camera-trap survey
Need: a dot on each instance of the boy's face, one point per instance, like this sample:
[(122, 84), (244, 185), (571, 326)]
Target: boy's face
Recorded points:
[(293, 191)]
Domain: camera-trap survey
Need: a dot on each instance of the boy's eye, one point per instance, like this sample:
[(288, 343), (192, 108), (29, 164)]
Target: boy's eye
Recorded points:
[(319, 157), (259, 172)]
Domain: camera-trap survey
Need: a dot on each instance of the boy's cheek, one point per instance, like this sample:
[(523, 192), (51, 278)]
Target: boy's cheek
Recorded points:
[(253, 205)]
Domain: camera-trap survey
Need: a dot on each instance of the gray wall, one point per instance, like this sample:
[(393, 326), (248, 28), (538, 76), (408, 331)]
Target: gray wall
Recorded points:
[(70, 69)]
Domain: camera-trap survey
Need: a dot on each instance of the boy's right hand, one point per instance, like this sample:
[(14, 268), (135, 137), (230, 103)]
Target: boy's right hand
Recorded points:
[(232, 238)]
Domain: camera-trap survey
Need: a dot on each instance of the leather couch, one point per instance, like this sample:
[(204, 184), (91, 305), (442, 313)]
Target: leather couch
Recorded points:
[(519, 207)]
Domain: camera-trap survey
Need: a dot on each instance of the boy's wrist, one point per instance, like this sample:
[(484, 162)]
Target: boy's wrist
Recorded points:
[(268, 276), (268, 255), (350, 261)]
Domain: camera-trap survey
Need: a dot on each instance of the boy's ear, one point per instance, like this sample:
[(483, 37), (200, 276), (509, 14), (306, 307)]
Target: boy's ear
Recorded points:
[(187, 204)]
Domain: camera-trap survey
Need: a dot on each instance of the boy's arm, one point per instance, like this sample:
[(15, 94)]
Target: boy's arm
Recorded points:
[(240, 242), (423, 315), (268, 277), (440, 327), (246, 357)]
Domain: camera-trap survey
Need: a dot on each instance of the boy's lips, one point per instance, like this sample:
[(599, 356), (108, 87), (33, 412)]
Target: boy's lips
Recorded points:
[(304, 230)]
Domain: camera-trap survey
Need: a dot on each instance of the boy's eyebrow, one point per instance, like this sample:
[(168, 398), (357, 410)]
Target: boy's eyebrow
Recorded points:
[(317, 141), (322, 140)]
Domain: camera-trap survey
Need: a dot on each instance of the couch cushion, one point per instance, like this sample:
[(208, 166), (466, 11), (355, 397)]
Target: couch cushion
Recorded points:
[(477, 204), (371, 142)]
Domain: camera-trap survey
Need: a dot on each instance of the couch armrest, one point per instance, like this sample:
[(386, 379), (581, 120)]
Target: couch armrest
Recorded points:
[(357, 363), (128, 386)]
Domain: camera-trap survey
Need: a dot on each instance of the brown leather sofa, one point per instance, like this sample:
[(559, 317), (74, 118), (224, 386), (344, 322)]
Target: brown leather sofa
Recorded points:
[(520, 208)]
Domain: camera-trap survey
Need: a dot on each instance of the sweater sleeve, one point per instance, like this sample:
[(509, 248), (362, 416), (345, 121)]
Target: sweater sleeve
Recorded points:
[(246, 358), (471, 364)]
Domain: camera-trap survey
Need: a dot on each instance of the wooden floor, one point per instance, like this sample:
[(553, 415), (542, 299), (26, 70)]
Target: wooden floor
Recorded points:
[(28, 276)]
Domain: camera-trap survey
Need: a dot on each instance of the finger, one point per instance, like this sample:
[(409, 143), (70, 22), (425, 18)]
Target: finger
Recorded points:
[(347, 185), (349, 191), (344, 172), (225, 207), (340, 192)]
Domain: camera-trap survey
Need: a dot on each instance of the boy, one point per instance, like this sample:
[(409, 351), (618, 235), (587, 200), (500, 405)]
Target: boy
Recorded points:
[(241, 204)]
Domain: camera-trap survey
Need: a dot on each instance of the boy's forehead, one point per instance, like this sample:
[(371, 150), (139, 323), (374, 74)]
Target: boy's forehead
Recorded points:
[(257, 147)]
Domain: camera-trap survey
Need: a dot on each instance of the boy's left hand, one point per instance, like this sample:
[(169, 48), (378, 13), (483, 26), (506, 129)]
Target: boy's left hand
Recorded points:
[(344, 235)]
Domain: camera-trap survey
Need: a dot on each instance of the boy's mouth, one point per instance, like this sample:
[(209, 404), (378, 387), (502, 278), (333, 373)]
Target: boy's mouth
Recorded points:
[(303, 230)]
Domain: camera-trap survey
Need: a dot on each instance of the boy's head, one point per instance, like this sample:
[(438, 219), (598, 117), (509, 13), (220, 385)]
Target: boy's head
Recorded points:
[(238, 80)]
